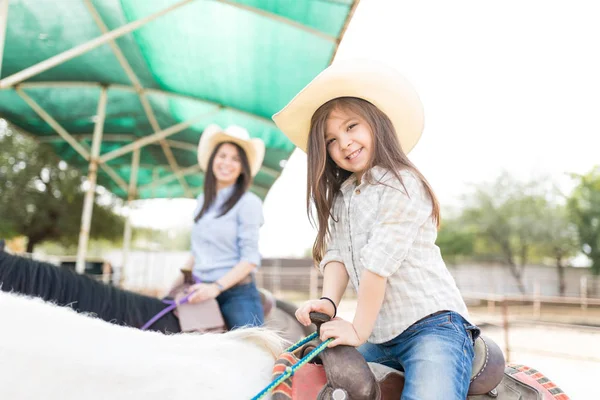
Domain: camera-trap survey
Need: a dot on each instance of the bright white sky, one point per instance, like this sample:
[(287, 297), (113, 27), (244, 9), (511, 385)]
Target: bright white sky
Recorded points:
[(511, 85)]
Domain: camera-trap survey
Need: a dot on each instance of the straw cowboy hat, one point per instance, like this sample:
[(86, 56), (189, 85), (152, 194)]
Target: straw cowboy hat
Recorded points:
[(214, 134), (380, 85)]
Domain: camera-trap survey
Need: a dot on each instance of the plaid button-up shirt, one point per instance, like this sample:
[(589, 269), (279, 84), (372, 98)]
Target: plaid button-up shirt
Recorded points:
[(390, 232)]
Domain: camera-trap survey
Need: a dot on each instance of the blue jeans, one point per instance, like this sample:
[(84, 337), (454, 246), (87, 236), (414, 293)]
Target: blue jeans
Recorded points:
[(435, 354), (241, 306)]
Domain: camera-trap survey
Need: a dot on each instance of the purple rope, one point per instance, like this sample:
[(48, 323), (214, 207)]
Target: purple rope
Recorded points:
[(172, 305)]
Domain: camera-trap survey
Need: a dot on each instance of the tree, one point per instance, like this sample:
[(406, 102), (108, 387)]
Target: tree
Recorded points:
[(455, 240), (584, 208), (41, 197), (509, 215), (559, 240)]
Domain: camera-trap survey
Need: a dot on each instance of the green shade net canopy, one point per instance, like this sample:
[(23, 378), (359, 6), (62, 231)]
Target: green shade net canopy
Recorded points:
[(152, 74)]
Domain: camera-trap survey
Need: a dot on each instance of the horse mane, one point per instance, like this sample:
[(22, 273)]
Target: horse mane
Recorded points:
[(73, 356), (84, 294)]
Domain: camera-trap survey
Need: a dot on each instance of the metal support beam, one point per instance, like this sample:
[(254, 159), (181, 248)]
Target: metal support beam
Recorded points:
[(138, 86), (113, 45), (118, 137), (3, 24), (132, 193), (88, 205), (138, 144), (85, 47), (344, 28), (194, 169), (52, 122), (115, 177), (279, 18), (148, 91), (163, 144)]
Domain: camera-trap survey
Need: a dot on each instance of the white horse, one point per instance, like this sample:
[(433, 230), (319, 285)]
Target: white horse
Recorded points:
[(53, 353)]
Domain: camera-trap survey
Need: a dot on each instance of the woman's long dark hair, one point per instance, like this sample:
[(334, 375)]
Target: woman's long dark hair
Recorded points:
[(325, 178), (210, 182)]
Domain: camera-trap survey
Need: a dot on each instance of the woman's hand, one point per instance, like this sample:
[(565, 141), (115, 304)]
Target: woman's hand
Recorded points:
[(203, 291), (342, 331), (302, 313)]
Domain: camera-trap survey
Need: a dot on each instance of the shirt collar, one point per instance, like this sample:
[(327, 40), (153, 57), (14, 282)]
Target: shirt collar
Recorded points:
[(377, 173), (226, 192)]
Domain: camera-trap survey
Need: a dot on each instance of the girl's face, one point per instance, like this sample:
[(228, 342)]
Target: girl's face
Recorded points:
[(227, 165), (349, 140)]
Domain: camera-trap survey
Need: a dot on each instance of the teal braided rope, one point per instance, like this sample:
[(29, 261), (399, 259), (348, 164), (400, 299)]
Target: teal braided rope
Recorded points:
[(301, 342), (289, 371)]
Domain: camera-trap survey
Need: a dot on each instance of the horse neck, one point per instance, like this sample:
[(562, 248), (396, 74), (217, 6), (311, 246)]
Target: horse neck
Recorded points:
[(59, 349)]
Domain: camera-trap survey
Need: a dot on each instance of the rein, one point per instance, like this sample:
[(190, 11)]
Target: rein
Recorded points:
[(289, 371), (172, 305)]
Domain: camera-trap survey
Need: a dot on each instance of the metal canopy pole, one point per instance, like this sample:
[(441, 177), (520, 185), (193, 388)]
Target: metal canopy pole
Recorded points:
[(120, 137), (116, 178), (55, 125), (138, 144), (131, 194), (85, 47), (88, 204), (344, 28), (148, 91), (3, 23), (279, 18), (141, 95)]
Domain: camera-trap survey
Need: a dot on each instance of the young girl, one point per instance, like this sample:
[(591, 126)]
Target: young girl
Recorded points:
[(377, 224)]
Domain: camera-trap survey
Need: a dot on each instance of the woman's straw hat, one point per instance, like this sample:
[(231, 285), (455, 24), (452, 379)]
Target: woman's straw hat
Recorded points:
[(214, 134)]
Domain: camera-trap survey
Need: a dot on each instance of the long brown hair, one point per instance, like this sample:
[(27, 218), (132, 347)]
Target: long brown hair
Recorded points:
[(325, 178), (210, 182)]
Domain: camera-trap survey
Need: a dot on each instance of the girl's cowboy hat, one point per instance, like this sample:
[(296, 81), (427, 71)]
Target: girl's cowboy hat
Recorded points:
[(380, 85), (214, 134)]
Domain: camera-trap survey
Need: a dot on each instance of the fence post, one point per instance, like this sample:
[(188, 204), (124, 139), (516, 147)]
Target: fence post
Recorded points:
[(537, 304), (259, 277), (314, 283), (583, 292), (276, 277), (505, 324), (491, 306)]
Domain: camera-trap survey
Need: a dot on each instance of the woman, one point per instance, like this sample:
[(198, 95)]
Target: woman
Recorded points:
[(224, 242)]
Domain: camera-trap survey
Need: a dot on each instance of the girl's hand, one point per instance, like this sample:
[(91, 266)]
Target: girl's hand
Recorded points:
[(323, 306), (203, 291), (342, 331)]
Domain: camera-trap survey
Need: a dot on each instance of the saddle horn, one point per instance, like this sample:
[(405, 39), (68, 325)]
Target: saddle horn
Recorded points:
[(345, 369)]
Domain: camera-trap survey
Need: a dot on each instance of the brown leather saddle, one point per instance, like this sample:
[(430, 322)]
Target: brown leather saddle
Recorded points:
[(350, 377), (206, 316)]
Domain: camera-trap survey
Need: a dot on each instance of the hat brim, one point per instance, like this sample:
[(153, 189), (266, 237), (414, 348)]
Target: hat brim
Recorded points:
[(376, 83), (254, 149)]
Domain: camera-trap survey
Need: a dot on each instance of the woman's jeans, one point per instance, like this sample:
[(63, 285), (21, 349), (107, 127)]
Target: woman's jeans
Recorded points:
[(435, 353), (241, 306)]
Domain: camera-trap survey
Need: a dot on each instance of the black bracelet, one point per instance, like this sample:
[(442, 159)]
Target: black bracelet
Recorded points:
[(334, 306)]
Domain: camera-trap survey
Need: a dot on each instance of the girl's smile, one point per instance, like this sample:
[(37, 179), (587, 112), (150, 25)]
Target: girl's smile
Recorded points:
[(349, 140)]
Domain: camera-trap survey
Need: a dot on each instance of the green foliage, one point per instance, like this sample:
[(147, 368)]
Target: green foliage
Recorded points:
[(455, 240), (584, 208), (41, 197), (516, 222)]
